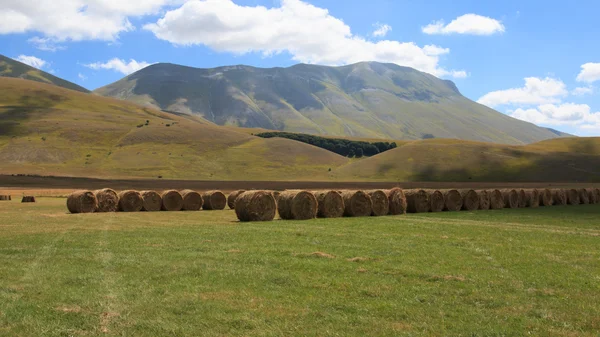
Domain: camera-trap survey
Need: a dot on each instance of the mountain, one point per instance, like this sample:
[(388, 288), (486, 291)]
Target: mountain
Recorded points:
[(48, 130), (13, 68), (368, 100)]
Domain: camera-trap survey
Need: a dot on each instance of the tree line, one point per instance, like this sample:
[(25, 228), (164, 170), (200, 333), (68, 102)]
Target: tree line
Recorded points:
[(343, 147)]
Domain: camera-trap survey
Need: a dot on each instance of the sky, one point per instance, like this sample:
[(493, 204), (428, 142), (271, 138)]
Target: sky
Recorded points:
[(538, 61)]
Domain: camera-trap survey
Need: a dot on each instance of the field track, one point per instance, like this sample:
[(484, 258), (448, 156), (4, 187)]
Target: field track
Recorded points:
[(68, 183)]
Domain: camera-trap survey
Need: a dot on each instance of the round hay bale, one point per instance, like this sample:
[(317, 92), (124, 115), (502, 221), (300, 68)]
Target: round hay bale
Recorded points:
[(533, 198), (82, 202), (172, 201), (546, 197), (397, 201), (452, 200), (330, 203), (496, 200), (470, 200), (592, 197), (130, 201), (417, 201), (573, 197), (231, 198), (522, 198), (108, 200), (511, 198), (192, 200), (275, 194), (255, 206), (357, 203), (214, 200), (151, 201), (485, 199), (583, 196), (436, 201), (380, 202), (559, 196), (297, 205), (596, 192)]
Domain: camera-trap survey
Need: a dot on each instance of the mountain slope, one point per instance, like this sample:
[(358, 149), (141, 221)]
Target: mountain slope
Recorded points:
[(369, 100), (13, 68), (48, 130)]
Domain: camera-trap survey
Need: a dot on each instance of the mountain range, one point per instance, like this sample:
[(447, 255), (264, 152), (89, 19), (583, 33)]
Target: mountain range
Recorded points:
[(368, 100)]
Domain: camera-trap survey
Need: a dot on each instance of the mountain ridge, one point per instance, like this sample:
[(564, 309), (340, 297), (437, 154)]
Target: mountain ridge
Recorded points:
[(366, 99)]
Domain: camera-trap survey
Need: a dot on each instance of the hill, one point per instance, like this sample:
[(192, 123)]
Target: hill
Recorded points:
[(48, 130), (16, 69), (366, 100), (557, 160)]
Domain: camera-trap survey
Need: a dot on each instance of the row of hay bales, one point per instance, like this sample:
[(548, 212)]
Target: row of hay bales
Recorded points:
[(108, 200), (302, 205)]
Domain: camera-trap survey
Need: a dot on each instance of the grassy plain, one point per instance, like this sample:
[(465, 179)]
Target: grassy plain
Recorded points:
[(489, 273)]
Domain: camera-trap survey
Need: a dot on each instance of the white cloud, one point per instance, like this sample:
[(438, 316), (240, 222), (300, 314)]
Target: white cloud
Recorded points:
[(381, 30), (309, 33), (535, 91), (45, 44), (75, 20), (590, 72), (582, 91), (32, 61), (567, 114), (471, 24), (82, 77), (119, 65)]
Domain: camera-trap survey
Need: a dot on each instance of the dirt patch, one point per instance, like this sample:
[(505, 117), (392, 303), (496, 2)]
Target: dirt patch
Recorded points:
[(69, 308), (320, 255), (359, 259)]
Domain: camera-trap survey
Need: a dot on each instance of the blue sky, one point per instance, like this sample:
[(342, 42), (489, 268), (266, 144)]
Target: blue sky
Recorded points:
[(537, 60)]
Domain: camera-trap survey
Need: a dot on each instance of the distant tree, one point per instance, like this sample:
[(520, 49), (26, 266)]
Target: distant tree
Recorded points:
[(428, 136), (359, 153), (351, 154)]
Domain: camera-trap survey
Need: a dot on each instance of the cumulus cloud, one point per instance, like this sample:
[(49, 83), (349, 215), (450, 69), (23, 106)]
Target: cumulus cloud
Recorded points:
[(308, 33), (590, 72), (582, 91), (567, 114), (535, 91), (75, 20), (45, 44), (32, 61), (471, 24), (119, 65), (381, 30)]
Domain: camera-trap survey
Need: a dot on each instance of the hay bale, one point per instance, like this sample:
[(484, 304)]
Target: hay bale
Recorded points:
[(436, 201), (592, 197), (275, 195), (171, 201), (397, 201), (108, 200), (232, 196), (417, 201), (573, 197), (214, 201), (511, 198), (485, 199), (28, 198), (297, 205), (546, 197), (533, 198), (522, 198), (470, 200), (596, 192), (255, 206), (452, 200), (496, 199), (559, 196), (192, 200), (583, 196), (357, 203), (82, 202), (130, 201), (151, 201), (380, 202), (330, 203)]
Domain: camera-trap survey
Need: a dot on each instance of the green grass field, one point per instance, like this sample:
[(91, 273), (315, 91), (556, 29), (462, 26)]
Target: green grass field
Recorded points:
[(489, 273)]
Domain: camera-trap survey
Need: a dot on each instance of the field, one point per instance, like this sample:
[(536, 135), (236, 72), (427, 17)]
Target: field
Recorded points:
[(487, 273)]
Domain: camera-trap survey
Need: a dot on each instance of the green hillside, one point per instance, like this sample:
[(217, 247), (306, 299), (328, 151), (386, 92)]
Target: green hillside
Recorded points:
[(48, 130), (366, 100), (16, 69)]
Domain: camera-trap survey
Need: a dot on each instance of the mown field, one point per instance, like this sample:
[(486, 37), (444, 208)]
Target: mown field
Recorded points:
[(488, 273)]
